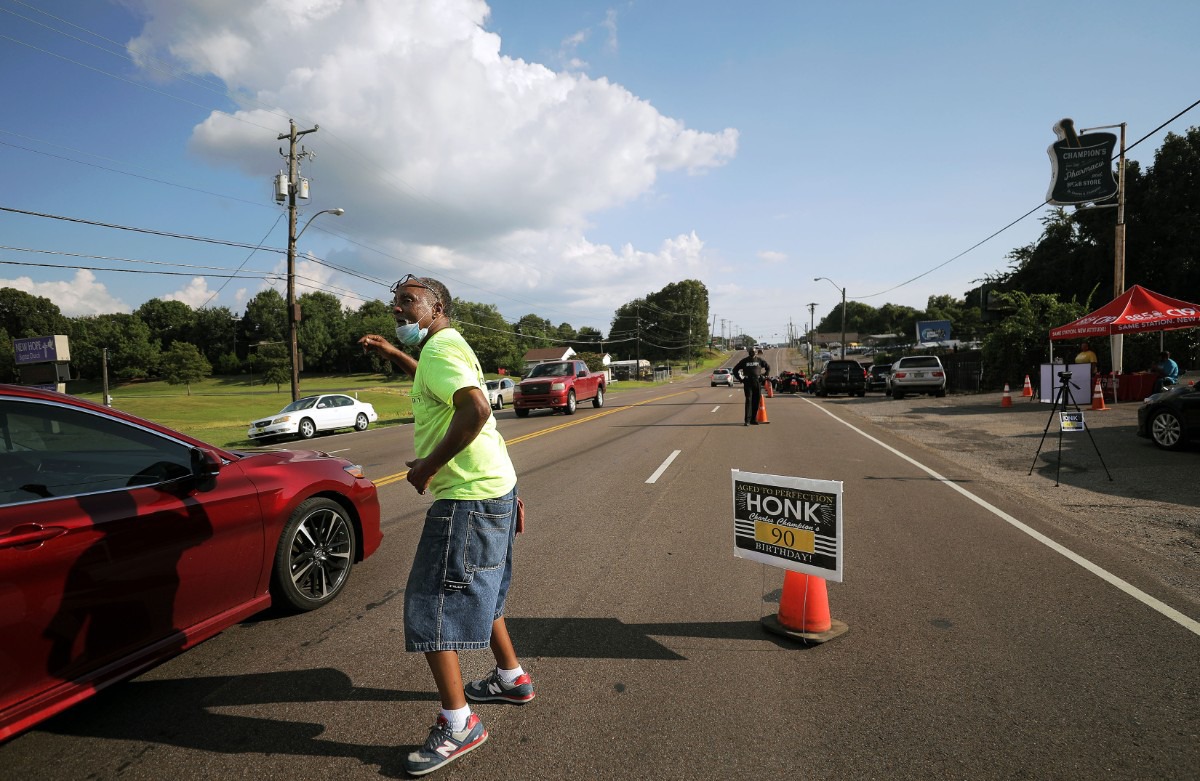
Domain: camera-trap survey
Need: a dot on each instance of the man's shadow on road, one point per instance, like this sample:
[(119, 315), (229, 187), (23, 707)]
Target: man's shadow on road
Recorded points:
[(177, 712)]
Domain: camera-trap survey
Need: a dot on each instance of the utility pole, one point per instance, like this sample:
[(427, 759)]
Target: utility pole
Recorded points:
[(812, 308), (293, 309)]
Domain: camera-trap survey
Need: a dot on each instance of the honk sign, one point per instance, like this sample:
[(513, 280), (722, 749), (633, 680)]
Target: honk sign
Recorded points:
[(790, 522)]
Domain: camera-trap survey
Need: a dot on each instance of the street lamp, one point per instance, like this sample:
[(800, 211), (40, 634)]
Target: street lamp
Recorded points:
[(292, 306), (843, 292)]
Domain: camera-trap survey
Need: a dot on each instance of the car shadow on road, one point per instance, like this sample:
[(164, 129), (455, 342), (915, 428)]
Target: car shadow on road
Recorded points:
[(179, 712)]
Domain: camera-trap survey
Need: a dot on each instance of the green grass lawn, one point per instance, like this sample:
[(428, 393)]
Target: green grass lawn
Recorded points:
[(220, 409)]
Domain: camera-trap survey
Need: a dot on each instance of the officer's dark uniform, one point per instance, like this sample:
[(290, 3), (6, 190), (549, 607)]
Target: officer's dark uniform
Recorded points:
[(750, 371)]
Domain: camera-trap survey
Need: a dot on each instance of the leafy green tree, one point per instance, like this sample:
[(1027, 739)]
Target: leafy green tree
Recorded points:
[(216, 332), (183, 364), (588, 339), (670, 324), (322, 334), (167, 320), (132, 353), (266, 316), (1019, 344), (8, 358), (373, 317), (23, 315), (594, 361), (534, 333), (489, 334), (228, 364), (276, 365)]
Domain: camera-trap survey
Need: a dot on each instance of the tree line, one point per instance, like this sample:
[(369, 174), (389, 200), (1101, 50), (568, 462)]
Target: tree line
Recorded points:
[(171, 340)]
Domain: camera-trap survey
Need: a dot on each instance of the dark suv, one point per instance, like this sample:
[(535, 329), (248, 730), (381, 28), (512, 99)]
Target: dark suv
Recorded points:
[(877, 376), (842, 377)]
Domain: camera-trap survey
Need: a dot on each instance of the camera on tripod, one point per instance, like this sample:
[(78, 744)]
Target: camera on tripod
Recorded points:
[(1064, 376)]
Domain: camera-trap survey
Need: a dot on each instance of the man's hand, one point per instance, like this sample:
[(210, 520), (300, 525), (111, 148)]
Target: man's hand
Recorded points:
[(419, 474)]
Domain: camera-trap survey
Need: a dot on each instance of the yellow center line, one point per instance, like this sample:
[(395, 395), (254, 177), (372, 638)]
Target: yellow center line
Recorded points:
[(526, 437)]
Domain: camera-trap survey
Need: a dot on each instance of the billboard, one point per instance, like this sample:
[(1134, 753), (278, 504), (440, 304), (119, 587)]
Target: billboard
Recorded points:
[(933, 330)]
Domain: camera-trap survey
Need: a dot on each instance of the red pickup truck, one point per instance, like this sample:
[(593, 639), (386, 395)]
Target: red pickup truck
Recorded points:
[(558, 385)]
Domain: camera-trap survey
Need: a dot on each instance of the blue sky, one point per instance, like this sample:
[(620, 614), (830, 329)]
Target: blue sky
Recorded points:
[(560, 157)]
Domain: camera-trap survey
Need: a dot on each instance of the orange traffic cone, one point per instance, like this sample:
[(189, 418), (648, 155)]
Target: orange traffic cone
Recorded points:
[(1006, 399), (1098, 398), (804, 611), (1028, 389), (762, 411), (770, 394)]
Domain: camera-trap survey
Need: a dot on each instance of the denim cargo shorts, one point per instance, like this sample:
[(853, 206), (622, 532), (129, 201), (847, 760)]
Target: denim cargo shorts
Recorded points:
[(460, 574)]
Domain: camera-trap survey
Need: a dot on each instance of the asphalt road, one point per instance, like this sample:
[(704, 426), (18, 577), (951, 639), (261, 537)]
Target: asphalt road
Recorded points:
[(976, 649)]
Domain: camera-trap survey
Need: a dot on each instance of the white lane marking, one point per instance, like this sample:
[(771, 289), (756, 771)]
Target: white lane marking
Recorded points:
[(658, 472), (714, 409), (1095, 569), (343, 450)]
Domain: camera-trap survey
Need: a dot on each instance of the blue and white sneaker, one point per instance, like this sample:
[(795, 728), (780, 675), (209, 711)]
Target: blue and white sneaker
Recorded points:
[(493, 688), (444, 745)]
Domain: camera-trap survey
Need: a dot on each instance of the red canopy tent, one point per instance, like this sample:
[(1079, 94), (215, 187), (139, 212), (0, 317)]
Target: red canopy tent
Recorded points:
[(1137, 309)]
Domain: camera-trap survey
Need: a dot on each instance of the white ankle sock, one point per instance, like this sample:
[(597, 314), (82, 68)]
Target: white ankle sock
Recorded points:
[(508, 676), (457, 718)]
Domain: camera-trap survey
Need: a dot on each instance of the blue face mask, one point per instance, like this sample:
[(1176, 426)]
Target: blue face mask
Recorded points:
[(411, 334)]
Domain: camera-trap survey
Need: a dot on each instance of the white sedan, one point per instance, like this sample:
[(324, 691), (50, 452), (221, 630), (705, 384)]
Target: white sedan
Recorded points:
[(304, 417), (500, 392)]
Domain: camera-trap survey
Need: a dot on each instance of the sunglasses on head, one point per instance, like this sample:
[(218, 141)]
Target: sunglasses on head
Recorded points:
[(408, 279)]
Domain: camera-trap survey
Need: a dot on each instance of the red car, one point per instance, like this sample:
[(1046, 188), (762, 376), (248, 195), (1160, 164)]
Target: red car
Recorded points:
[(123, 542)]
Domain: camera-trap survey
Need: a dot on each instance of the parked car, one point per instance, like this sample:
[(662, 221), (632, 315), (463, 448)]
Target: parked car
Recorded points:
[(814, 382), (917, 374), (1171, 418), (877, 376), (123, 543), (721, 377), (304, 417), (792, 382), (500, 392), (847, 377)]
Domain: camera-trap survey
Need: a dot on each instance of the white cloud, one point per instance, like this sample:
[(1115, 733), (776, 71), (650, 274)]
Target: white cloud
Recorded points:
[(610, 26), (82, 295), (771, 256), (437, 144), (195, 294)]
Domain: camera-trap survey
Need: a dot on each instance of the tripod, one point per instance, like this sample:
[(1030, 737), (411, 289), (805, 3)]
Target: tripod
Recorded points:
[(1060, 405)]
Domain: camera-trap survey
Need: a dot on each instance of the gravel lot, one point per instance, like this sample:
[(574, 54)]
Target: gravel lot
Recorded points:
[(1149, 512)]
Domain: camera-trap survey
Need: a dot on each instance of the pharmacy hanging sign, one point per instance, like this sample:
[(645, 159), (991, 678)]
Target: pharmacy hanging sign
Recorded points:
[(1081, 168), (790, 522)]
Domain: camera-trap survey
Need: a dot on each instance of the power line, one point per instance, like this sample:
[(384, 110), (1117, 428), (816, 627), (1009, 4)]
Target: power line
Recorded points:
[(1014, 222)]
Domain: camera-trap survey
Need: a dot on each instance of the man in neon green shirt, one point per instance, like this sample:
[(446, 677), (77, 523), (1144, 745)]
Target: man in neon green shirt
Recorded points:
[(454, 599)]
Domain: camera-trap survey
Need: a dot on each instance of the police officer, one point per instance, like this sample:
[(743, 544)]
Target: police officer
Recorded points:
[(750, 371)]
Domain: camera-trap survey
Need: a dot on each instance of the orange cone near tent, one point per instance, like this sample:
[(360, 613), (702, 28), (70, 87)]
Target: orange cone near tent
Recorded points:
[(1006, 399), (1098, 398), (762, 411), (1028, 389), (804, 611)]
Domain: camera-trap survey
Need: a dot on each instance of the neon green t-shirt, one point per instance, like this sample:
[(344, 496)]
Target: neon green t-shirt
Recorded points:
[(481, 470)]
